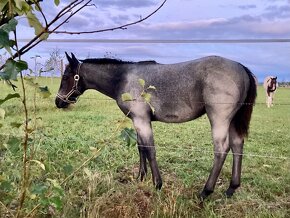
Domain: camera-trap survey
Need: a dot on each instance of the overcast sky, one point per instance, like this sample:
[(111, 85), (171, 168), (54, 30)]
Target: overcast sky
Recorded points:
[(179, 20)]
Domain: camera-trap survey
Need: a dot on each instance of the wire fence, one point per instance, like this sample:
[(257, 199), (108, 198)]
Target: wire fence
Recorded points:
[(165, 41), (283, 101)]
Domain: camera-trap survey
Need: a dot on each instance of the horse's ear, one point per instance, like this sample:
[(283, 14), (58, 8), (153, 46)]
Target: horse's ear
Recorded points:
[(68, 57), (275, 77), (74, 58), (73, 61)]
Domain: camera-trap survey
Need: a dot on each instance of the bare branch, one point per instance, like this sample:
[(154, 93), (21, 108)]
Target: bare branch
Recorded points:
[(40, 9), (37, 39), (122, 27), (71, 15), (64, 11)]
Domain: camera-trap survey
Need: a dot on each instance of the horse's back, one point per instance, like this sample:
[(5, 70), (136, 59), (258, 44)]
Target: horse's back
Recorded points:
[(185, 91)]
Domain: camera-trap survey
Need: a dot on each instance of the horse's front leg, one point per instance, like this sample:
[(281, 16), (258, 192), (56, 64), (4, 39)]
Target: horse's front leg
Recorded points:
[(143, 165), (147, 150)]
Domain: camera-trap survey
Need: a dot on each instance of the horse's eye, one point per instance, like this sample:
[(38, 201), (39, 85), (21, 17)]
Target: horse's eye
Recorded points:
[(65, 77)]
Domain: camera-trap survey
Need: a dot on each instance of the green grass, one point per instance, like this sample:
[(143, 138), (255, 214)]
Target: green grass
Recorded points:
[(106, 186)]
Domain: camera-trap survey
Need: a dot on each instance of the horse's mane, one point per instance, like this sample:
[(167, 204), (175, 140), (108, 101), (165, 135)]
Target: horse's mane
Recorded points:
[(114, 61)]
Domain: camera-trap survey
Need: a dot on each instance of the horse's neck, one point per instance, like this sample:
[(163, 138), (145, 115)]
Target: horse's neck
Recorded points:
[(102, 78)]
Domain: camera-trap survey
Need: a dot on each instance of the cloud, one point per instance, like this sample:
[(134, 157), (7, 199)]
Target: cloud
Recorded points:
[(274, 11), (125, 4), (247, 7), (185, 25)]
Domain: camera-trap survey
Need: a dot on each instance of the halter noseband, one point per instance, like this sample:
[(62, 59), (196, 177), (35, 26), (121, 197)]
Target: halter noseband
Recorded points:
[(74, 89)]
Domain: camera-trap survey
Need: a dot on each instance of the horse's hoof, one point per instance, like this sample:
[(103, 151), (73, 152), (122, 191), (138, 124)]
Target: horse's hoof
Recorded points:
[(229, 193), (158, 185), (204, 194), (231, 190), (141, 176)]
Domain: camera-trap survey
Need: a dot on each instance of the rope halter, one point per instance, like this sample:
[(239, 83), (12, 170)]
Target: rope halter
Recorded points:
[(73, 90)]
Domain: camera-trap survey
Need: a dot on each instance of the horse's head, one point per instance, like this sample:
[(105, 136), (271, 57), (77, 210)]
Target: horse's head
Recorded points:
[(272, 81), (71, 84)]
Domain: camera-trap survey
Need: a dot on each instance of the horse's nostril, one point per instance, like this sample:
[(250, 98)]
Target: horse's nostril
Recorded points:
[(60, 103)]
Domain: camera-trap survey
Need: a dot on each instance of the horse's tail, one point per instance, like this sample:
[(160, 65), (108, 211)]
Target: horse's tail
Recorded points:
[(243, 115)]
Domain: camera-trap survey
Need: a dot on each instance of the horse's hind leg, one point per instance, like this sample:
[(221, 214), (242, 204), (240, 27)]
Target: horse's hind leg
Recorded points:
[(220, 132), (236, 145), (147, 150)]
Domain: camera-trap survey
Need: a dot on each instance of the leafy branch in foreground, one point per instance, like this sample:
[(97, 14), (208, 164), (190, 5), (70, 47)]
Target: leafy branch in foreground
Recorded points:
[(127, 133), (42, 32), (50, 193)]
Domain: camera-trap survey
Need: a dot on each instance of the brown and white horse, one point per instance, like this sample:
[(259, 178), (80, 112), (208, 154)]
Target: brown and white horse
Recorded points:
[(270, 86)]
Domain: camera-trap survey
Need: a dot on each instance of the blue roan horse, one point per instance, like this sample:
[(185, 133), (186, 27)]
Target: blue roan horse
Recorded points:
[(223, 89)]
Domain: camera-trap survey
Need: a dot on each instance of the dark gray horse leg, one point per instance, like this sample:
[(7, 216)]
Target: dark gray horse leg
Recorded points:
[(143, 165), (221, 148), (147, 149), (236, 144)]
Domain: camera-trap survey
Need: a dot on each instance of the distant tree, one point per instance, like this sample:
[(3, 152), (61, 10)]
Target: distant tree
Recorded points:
[(54, 63)]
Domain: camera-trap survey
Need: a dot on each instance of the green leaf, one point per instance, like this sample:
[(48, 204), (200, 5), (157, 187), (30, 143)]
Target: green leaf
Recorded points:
[(6, 186), (2, 113), (142, 82), (3, 3), (4, 38), (67, 169), (39, 189), (41, 165), (126, 97), (19, 3), (8, 97), (56, 201), (4, 34), (16, 124), (129, 136), (146, 96), (38, 28), (14, 144), (54, 183), (44, 91), (10, 26), (12, 68), (21, 65), (56, 2)]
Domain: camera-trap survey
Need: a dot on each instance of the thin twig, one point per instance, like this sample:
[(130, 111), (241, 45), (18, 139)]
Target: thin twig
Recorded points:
[(25, 142), (68, 177), (6, 208), (122, 27), (71, 15), (40, 10)]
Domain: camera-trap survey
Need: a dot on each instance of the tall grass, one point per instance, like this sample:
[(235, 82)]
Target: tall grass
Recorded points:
[(106, 186)]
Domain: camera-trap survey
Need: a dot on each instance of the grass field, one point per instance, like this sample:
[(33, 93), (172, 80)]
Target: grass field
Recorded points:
[(106, 185)]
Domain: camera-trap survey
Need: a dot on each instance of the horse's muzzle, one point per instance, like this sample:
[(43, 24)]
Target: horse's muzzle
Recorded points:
[(60, 103)]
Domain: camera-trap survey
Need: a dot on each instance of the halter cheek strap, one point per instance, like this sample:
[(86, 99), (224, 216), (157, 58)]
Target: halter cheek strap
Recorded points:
[(74, 89)]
